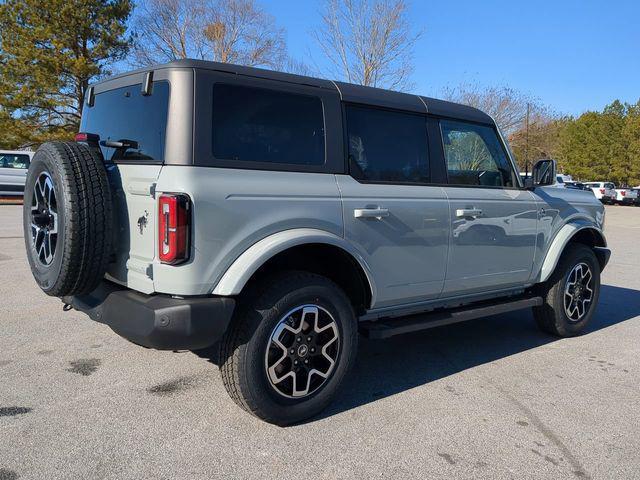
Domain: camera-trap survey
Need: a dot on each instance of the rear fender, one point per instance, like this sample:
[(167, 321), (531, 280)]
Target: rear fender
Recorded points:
[(239, 273)]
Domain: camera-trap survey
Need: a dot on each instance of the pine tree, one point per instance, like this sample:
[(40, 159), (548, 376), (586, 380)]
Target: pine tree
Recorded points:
[(49, 52)]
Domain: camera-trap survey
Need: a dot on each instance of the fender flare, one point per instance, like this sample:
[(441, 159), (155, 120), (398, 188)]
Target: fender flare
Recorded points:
[(560, 241), (238, 274)]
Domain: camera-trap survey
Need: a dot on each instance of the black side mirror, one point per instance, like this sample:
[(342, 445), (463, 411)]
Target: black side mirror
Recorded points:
[(544, 173)]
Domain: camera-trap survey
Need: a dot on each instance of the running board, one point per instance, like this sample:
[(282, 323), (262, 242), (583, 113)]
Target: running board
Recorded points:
[(393, 326)]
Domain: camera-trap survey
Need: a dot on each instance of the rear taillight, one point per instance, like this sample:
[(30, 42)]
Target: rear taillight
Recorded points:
[(174, 216), (602, 191), (623, 193)]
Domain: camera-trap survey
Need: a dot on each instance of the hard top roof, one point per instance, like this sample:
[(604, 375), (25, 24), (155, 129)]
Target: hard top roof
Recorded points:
[(348, 92)]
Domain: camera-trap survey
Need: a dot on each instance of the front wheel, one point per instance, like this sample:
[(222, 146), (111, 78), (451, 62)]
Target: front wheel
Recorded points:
[(571, 294), (289, 347)]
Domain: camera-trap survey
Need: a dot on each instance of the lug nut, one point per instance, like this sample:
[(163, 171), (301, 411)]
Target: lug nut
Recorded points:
[(299, 339), (306, 362), (292, 351), (313, 350), (308, 339), (295, 362)]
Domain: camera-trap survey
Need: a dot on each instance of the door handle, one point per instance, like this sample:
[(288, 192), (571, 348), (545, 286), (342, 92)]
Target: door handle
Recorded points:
[(468, 212), (377, 213)]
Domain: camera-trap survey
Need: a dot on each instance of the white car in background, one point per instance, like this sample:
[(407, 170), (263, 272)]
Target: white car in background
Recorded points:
[(626, 196), (604, 191), (13, 171)]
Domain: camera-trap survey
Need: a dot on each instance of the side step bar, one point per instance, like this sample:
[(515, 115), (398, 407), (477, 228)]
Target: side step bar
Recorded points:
[(394, 326)]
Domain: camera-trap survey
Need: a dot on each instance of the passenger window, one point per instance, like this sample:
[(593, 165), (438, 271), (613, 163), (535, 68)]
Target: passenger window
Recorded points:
[(475, 156), (387, 146), (260, 125), (126, 116), (14, 161)]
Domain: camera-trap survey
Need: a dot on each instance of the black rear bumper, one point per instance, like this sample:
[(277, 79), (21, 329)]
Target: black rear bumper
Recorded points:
[(157, 321)]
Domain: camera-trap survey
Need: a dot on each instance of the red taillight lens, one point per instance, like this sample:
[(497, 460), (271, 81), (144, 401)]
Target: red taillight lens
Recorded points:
[(173, 228), (87, 137), (623, 193), (602, 190)]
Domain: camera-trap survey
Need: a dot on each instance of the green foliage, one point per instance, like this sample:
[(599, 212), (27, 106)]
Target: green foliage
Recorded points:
[(603, 145), (49, 52)]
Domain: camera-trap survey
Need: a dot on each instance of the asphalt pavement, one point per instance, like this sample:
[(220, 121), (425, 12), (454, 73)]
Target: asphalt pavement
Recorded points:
[(492, 398)]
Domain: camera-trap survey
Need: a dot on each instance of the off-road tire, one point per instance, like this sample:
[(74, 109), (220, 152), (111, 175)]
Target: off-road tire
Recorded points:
[(84, 218), (551, 317), (243, 348)]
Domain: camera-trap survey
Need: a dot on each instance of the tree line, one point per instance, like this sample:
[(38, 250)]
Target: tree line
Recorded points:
[(51, 50)]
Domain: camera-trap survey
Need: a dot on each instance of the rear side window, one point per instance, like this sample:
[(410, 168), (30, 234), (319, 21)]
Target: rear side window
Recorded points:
[(609, 186), (475, 156), (11, 160), (267, 126), (136, 121), (386, 146)]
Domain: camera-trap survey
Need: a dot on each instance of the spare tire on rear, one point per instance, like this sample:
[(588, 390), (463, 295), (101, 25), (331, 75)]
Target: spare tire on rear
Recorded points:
[(67, 218)]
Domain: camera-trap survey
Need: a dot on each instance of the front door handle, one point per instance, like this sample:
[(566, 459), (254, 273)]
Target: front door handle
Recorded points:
[(377, 213), (468, 212)]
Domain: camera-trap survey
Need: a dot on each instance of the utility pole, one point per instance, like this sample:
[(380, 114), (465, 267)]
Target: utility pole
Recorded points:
[(526, 140)]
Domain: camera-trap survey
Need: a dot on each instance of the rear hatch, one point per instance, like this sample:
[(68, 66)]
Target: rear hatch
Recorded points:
[(129, 127)]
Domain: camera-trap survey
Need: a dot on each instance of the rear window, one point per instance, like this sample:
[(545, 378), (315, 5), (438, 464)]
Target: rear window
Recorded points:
[(127, 116), (267, 126), (12, 160), (386, 146)]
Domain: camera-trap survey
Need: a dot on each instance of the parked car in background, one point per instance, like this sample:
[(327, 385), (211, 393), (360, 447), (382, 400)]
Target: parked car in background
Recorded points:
[(637, 200), (604, 191), (577, 186), (13, 171), (626, 196), (563, 180)]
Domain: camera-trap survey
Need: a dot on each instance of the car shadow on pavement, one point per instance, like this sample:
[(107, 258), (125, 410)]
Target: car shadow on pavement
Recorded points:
[(386, 367)]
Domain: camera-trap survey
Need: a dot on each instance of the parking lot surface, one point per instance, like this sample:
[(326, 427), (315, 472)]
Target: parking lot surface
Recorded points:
[(492, 398)]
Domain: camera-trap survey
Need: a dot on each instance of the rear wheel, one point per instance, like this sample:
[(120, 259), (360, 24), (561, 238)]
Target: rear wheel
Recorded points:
[(289, 347), (571, 294)]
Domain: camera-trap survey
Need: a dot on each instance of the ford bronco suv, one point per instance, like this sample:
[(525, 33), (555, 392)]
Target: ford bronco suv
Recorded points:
[(274, 218)]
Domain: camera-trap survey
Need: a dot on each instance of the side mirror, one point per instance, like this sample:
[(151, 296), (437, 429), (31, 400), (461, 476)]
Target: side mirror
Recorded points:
[(544, 173)]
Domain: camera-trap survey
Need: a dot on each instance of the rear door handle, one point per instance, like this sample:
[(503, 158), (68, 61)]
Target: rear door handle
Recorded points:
[(377, 213), (468, 212)]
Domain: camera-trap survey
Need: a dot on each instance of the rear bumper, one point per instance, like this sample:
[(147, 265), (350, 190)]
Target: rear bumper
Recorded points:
[(157, 321)]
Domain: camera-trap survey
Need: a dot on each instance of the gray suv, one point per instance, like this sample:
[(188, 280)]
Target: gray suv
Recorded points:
[(273, 218)]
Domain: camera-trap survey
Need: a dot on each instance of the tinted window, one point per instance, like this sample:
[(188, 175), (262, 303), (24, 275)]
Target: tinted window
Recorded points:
[(387, 146), (260, 125), (610, 186), (11, 160), (474, 155), (125, 114)]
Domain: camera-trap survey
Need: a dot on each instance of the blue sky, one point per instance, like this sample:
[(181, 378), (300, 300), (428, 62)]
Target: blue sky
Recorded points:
[(572, 55)]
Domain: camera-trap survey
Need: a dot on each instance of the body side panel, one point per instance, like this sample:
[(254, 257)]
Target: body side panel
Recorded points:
[(234, 209)]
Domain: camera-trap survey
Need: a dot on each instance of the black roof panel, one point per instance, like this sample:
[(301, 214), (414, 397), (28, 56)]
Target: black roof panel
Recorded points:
[(349, 92)]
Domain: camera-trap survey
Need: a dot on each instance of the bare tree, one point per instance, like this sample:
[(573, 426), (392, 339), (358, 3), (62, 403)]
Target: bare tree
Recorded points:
[(168, 30), (231, 31), (369, 42), (238, 31), (507, 106)]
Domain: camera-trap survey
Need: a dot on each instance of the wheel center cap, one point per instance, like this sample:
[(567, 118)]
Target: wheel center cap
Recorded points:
[(303, 350)]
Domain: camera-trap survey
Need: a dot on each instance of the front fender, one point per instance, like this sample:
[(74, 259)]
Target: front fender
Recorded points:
[(241, 270), (562, 238)]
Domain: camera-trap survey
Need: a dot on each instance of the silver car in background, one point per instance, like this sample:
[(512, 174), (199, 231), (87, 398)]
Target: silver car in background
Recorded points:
[(13, 171)]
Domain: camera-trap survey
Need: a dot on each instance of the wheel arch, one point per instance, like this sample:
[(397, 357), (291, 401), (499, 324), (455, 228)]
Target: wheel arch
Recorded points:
[(576, 232), (309, 249)]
